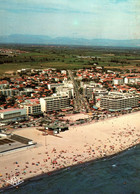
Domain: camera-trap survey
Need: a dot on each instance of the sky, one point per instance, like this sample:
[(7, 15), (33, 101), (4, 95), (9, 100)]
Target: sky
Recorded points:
[(92, 19)]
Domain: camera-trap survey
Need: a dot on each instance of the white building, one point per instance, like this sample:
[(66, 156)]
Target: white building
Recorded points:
[(66, 89), (118, 101), (32, 106), (33, 109), (93, 88), (9, 92), (12, 114), (4, 84), (54, 85), (131, 80), (91, 84), (64, 72), (118, 81), (54, 103)]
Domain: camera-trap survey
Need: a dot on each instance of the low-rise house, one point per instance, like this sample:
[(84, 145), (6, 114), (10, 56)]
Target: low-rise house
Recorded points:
[(4, 84)]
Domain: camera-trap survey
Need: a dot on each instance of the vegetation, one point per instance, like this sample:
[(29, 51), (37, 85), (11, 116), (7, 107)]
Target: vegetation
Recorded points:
[(68, 57)]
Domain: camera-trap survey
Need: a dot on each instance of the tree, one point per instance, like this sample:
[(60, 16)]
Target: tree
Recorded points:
[(81, 90), (2, 99), (12, 101)]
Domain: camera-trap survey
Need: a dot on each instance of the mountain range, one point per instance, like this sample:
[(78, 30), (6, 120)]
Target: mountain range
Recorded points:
[(46, 40)]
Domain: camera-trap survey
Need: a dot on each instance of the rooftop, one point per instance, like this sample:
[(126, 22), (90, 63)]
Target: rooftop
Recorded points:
[(9, 109)]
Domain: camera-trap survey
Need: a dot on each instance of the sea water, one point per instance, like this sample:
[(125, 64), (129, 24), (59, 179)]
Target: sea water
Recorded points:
[(119, 174)]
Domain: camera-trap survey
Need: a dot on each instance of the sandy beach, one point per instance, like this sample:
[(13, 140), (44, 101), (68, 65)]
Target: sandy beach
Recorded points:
[(79, 144)]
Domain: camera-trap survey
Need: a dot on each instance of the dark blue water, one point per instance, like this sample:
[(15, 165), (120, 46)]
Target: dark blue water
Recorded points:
[(117, 175)]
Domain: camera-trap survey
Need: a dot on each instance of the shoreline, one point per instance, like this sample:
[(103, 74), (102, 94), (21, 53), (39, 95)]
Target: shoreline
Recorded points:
[(56, 171), (80, 145)]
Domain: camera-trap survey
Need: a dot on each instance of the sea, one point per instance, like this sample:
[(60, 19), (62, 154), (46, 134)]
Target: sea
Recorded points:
[(119, 174)]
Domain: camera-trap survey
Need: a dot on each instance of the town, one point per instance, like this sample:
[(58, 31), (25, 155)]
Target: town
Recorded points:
[(66, 117), (36, 93)]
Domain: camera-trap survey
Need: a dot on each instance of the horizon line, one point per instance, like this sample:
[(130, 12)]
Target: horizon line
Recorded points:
[(53, 37)]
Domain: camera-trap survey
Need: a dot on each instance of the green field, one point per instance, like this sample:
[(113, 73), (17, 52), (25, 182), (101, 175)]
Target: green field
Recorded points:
[(68, 57)]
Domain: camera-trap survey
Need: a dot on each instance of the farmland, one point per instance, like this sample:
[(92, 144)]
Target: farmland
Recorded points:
[(67, 57)]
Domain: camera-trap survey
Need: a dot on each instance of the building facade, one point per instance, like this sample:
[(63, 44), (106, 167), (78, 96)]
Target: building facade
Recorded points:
[(54, 103), (4, 84), (33, 109), (119, 102), (12, 114), (9, 92), (32, 106), (88, 92), (131, 80), (118, 81)]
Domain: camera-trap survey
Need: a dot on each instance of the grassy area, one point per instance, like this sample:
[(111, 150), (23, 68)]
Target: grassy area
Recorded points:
[(64, 57)]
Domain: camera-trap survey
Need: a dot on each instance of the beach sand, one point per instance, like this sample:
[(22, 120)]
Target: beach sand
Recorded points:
[(79, 144)]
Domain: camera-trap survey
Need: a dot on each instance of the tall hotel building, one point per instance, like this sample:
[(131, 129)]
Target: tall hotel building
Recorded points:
[(54, 103), (118, 101)]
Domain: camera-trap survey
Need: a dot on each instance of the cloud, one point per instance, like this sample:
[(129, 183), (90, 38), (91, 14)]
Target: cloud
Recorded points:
[(79, 6), (90, 18)]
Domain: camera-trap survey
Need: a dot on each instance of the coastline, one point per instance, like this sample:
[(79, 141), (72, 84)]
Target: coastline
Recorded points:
[(55, 172), (89, 157)]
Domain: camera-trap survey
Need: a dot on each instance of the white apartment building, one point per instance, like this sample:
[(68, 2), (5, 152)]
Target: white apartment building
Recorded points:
[(54, 103), (9, 92), (100, 91), (33, 109), (88, 92), (131, 80), (32, 106), (66, 90), (54, 85), (119, 101), (96, 89), (91, 84)]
